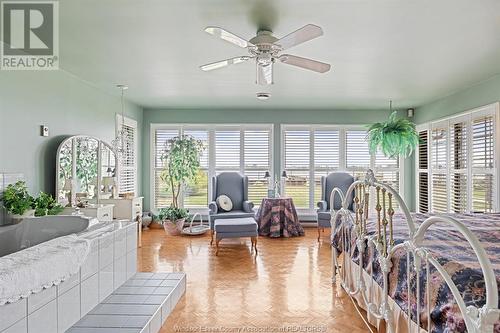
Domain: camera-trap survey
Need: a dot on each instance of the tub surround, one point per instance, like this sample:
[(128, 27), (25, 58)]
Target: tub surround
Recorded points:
[(111, 260), (35, 230), (39, 267)]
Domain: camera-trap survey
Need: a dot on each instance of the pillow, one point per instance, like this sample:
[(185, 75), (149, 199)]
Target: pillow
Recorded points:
[(224, 203)]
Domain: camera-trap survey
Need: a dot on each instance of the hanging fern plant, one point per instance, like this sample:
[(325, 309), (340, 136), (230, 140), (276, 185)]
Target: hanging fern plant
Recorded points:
[(395, 137)]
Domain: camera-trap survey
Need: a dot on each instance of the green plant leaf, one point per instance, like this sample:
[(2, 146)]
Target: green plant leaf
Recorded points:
[(394, 138)]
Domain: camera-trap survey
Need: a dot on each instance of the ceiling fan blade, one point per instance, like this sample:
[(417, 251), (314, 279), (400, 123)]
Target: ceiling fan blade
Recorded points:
[(228, 36), (265, 74), (310, 64), (307, 32), (223, 63)]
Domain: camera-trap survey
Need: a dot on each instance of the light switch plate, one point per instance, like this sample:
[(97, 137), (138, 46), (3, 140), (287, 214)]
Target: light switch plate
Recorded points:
[(44, 130)]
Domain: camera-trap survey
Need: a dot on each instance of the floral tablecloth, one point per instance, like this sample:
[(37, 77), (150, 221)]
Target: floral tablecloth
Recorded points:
[(277, 217)]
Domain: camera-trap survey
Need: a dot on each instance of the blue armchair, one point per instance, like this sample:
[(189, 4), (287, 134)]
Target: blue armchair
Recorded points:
[(235, 186), (341, 180)]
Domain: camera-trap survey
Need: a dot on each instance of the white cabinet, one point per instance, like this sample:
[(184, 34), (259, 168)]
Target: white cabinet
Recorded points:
[(126, 209), (104, 213)]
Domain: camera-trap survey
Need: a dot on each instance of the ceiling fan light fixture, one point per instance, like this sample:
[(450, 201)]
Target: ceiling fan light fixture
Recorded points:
[(263, 96)]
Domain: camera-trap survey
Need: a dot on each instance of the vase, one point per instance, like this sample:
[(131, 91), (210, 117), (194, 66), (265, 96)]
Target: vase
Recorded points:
[(17, 218), (173, 228)]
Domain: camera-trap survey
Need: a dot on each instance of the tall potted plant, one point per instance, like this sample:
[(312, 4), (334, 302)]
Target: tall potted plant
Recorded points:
[(181, 160)]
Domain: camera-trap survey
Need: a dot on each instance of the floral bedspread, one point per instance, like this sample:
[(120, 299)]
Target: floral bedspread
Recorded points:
[(451, 250)]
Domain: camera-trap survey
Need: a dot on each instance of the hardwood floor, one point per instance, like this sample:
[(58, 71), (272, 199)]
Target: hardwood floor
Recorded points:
[(287, 283)]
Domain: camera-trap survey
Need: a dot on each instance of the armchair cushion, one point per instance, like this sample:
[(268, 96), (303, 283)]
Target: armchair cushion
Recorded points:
[(232, 185), (341, 180), (213, 208), (322, 206), (248, 206)]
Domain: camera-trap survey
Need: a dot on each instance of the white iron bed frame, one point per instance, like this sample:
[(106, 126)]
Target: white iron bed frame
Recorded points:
[(476, 319)]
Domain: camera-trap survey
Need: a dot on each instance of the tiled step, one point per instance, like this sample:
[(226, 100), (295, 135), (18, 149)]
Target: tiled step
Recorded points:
[(140, 305)]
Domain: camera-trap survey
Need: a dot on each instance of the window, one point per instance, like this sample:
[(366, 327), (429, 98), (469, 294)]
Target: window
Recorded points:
[(196, 192), (422, 171), (310, 152), (462, 170), (297, 163), (127, 177), (239, 148)]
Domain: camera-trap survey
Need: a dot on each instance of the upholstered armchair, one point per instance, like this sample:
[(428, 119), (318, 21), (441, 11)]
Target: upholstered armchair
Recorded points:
[(341, 180), (235, 186)]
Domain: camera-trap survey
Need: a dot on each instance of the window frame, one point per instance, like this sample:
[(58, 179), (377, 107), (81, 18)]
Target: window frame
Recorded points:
[(127, 121), (212, 168), (468, 117)]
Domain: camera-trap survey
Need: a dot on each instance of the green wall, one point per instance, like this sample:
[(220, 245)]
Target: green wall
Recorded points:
[(483, 93), (67, 105), (252, 116)]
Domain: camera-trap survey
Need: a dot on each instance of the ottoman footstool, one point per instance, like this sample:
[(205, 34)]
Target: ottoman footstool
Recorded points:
[(235, 228)]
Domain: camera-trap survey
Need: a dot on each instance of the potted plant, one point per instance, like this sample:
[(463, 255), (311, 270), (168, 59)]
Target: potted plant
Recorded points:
[(181, 159), (173, 219), (395, 137), (45, 204), (17, 201)]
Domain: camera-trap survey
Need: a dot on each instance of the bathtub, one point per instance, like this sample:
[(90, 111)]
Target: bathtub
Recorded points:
[(36, 230)]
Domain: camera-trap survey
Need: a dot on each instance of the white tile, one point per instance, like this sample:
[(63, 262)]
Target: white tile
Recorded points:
[(154, 299), (69, 283), (176, 276), (131, 238), (131, 263), (152, 283), (11, 313), (91, 264), (163, 291), (160, 276), (155, 324), (134, 290), (43, 320), (90, 294), (120, 247), (35, 301), (68, 309), (143, 275), (119, 272), (169, 283), (117, 321), (20, 327), (127, 299), (103, 330), (125, 309), (166, 309), (106, 246), (135, 283), (105, 282)]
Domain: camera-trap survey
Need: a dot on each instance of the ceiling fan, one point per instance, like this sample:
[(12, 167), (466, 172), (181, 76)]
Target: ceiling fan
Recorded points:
[(266, 50)]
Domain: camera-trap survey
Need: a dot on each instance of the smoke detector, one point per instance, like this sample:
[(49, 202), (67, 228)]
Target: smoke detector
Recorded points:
[(263, 96)]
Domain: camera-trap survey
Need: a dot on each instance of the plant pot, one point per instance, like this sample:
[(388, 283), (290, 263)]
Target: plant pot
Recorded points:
[(17, 218), (173, 228)]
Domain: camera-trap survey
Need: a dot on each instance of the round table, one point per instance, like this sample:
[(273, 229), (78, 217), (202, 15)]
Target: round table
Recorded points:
[(277, 217)]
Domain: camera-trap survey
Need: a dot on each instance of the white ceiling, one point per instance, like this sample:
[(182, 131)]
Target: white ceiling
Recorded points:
[(409, 51)]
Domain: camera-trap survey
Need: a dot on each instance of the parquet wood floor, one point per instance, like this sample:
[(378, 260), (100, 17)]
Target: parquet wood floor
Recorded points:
[(286, 284)]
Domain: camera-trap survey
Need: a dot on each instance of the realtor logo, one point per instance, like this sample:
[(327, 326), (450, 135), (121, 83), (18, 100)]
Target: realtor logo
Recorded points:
[(29, 35)]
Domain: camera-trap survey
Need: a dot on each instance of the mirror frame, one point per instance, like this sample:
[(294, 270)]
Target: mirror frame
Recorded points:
[(100, 145)]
